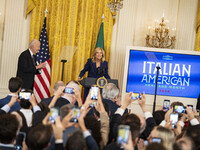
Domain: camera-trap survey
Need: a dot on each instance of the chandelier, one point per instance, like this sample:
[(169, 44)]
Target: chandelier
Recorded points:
[(160, 37), (115, 6)]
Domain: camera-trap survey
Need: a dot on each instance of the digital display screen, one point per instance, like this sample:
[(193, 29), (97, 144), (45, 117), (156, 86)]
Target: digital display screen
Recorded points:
[(179, 74)]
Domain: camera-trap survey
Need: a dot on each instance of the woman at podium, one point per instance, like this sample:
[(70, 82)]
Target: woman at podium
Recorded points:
[(96, 67)]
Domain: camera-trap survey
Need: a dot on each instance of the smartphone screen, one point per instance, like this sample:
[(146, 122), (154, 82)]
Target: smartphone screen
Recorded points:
[(25, 95), (93, 104), (179, 109), (156, 140), (174, 119), (191, 107), (75, 114), (123, 133), (19, 140), (69, 90), (135, 96), (166, 104), (94, 92), (54, 112)]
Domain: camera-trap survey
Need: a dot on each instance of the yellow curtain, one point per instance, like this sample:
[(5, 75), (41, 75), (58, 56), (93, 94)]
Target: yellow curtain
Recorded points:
[(73, 23), (197, 44)]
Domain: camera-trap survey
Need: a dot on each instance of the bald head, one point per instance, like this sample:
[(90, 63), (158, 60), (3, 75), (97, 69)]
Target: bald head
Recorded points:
[(58, 84)]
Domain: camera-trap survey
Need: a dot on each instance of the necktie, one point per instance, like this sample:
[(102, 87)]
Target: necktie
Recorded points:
[(34, 59)]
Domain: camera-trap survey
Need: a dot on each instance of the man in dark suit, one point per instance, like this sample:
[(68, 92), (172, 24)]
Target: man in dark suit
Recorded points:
[(27, 67), (110, 96), (9, 127), (61, 101), (14, 85)]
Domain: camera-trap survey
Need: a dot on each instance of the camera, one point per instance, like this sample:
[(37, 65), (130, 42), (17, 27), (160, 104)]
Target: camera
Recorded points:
[(123, 134), (25, 95), (179, 109), (94, 92), (135, 96), (69, 90), (75, 114), (54, 112)]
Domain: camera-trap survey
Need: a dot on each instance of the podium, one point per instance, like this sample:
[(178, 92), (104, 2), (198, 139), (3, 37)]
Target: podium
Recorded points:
[(88, 82)]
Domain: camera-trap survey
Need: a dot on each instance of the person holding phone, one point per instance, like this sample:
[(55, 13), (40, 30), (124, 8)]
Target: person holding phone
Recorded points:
[(96, 67), (14, 86)]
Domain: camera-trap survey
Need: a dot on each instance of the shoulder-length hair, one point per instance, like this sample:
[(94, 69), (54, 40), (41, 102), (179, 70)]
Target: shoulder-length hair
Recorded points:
[(94, 54)]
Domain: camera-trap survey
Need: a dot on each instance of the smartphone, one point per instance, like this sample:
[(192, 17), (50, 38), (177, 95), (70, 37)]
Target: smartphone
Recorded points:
[(19, 140), (179, 109), (135, 96), (191, 107), (174, 119), (94, 92), (166, 104), (54, 112), (69, 90), (123, 134), (156, 140), (75, 114), (25, 95), (93, 104)]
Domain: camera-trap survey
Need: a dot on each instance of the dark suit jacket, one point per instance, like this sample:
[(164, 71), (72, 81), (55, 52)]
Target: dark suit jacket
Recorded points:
[(150, 124), (6, 148), (59, 103), (92, 70), (112, 106), (6, 100), (26, 69)]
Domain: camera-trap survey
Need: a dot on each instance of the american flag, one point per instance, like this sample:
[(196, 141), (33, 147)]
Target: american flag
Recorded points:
[(42, 81)]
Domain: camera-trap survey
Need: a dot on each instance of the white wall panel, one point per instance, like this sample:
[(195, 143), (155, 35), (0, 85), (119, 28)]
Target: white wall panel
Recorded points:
[(131, 29), (15, 39)]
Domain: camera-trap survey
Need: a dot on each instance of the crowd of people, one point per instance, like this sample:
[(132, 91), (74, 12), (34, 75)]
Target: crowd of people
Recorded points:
[(104, 123)]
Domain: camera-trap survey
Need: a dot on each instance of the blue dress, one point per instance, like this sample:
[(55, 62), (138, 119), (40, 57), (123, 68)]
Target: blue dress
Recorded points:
[(94, 72)]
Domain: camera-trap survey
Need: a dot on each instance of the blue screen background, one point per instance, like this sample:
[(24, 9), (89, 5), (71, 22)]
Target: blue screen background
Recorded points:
[(135, 73)]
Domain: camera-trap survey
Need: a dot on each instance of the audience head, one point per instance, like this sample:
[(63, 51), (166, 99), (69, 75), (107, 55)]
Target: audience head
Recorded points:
[(110, 91), (74, 84), (142, 122), (19, 118), (64, 110), (134, 122), (155, 146), (76, 142), (98, 50), (167, 136), (71, 97), (15, 84), (34, 46), (184, 143), (25, 104), (39, 137), (176, 103), (194, 133), (57, 85), (9, 126), (159, 116)]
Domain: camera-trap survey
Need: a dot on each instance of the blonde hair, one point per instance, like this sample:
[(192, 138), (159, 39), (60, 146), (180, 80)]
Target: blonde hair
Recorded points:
[(94, 54), (167, 136)]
